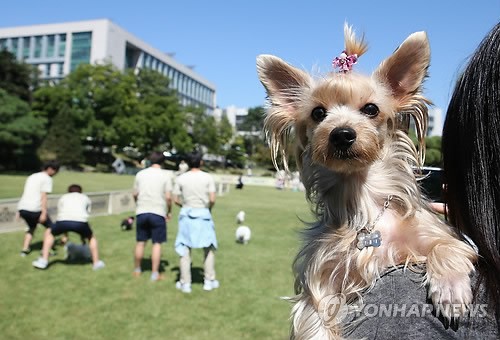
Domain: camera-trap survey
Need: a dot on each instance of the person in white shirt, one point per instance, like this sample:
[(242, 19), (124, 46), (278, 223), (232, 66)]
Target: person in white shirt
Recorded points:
[(152, 194), (194, 192), (32, 206), (73, 211)]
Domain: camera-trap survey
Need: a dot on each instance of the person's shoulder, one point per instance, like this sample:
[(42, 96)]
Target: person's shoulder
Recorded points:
[(40, 174), (207, 174)]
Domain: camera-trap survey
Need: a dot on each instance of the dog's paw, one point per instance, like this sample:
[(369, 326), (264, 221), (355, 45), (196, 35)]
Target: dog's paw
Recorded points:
[(450, 294)]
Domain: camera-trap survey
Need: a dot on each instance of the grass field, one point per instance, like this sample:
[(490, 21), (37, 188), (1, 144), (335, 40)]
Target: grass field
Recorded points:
[(70, 301)]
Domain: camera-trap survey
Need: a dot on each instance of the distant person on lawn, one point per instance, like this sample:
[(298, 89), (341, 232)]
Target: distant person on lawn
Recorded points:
[(152, 194), (73, 211), (33, 204), (194, 192)]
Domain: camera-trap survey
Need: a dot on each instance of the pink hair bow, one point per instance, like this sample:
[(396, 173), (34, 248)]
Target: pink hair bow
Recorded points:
[(344, 62)]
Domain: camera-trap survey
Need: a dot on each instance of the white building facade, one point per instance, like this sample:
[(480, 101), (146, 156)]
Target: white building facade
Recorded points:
[(57, 49)]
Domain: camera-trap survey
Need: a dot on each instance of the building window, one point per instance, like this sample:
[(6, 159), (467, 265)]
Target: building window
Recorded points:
[(38, 47), (3, 44), (80, 49), (147, 61), (51, 46), (60, 69), (26, 47), (62, 45), (13, 46)]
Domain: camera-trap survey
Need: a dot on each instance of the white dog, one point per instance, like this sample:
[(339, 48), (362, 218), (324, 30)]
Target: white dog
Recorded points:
[(243, 234), (240, 217)]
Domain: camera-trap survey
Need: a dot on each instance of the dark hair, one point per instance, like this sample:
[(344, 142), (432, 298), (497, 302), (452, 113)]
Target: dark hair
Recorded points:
[(51, 164), (194, 159), (157, 157), (471, 159), (75, 188)]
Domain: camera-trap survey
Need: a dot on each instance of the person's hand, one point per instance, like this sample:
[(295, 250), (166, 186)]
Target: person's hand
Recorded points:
[(440, 208), (168, 217), (43, 217)]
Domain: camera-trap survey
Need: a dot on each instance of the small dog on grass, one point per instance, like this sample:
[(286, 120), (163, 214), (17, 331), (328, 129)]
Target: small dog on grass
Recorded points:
[(243, 234), (355, 161), (127, 223), (240, 217)]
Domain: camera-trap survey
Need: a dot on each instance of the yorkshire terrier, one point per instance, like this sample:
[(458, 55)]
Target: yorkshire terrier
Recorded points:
[(355, 160)]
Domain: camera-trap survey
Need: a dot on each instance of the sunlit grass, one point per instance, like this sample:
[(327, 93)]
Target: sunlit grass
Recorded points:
[(70, 301)]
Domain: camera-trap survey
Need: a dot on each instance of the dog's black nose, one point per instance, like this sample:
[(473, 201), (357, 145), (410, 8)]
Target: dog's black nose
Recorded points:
[(342, 137)]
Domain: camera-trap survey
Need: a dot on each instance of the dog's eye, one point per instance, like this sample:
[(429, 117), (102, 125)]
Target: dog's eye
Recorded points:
[(370, 110), (318, 114)]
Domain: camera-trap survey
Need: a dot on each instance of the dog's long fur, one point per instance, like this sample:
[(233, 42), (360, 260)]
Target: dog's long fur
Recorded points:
[(348, 188)]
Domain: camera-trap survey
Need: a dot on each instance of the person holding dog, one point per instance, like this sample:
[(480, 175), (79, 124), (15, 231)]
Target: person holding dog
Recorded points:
[(32, 206), (152, 194), (194, 191), (472, 200), (73, 211)]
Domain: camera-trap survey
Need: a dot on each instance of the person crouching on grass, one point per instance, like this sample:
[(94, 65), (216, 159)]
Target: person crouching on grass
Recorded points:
[(73, 211)]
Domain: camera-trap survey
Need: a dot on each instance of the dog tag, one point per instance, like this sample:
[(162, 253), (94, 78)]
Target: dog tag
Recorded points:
[(366, 239)]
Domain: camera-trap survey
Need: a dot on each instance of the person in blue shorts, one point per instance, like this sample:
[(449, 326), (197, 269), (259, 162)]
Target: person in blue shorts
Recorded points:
[(73, 211), (32, 206), (152, 194)]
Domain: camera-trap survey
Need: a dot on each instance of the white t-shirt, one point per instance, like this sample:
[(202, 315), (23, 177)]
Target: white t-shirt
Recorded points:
[(151, 185), (194, 188), (31, 199), (73, 206)]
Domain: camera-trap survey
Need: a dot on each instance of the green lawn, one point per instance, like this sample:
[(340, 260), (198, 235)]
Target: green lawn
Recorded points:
[(70, 301)]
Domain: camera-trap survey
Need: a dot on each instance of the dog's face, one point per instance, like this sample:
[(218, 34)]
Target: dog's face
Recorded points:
[(345, 119)]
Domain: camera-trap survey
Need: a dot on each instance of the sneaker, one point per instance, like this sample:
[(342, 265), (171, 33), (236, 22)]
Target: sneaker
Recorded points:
[(40, 263), (183, 287), (137, 272), (25, 252), (156, 277), (208, 285), (98, 265)]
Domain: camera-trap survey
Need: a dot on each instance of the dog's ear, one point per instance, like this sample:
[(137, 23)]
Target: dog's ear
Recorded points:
[(283, 82), (285, 86), (404, 72)]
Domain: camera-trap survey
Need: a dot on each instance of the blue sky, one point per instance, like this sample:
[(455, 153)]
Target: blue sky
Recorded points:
[(223, 38)]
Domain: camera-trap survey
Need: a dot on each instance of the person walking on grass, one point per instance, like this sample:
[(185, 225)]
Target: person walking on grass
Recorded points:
[(152, 194), (194, 192), (32, 206), (73, 211)]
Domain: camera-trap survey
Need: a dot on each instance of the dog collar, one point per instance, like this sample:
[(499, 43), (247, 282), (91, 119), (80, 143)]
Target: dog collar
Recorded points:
[(366, 236)]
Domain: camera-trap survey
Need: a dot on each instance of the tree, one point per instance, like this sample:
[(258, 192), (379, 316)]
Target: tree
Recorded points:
[(115, 108), (254, 121), (21, 131), (166, 120), (61, 142), (433, 151), (17, 79), (224, 130), (203, 129)]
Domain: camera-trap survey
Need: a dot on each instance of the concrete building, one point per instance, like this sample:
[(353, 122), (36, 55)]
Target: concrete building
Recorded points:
[(57, 49), (235, 115), (435, 122)]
